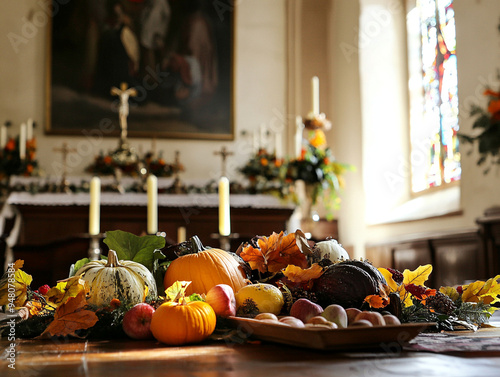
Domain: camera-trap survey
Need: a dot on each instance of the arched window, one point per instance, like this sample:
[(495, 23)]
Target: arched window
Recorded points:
[(433, 79)]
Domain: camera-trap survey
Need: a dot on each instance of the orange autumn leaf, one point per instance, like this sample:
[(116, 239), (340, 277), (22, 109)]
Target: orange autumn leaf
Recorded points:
[(298, 275), (376, 301), (274, 253), (71, 317)]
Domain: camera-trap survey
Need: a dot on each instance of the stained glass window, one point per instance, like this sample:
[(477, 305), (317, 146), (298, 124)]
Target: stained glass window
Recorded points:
[(435, 156)]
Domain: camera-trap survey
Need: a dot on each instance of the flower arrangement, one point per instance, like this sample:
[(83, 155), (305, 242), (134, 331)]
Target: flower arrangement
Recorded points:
[(158, 166), (11, 162), (321, 173), (488, 121), (265, 172)]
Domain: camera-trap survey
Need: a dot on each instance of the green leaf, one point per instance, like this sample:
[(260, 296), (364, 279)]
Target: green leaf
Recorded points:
[(140, 249), (79, 264)]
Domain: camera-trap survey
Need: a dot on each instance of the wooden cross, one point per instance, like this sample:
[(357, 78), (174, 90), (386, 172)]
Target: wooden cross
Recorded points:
[(65, 150), (223, 153), (123, 93)]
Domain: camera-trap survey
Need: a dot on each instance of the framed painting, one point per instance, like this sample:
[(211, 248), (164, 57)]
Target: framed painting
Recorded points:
[(176, 54)]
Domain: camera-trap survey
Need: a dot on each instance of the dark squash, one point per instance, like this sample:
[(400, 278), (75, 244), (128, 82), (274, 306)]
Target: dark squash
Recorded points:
[(347, 284)]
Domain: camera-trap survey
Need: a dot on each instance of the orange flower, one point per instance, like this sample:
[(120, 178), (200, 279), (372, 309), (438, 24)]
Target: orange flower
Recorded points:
[(264, 161), (161, 161), (29, 169), (31, 144), (326, 160), (302, 154), (319, 139), (115, 303), (108, 160), (494, 106), (11, 145), (278, 163), (489, 92)]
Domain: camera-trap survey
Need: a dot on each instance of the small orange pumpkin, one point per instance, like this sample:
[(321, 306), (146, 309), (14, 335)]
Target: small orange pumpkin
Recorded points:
[(205, 268), (177, 322)]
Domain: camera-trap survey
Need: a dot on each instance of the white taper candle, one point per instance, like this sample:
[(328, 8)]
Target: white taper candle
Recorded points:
[(152, 185), (224, 210), (95, 206)]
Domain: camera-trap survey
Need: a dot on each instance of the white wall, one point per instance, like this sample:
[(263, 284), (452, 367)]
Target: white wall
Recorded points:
[(478, 50), (260, 74)]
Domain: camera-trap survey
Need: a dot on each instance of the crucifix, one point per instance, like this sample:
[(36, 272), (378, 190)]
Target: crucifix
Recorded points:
[(65, 150), (177, 169), (123, 93), (223, 153)]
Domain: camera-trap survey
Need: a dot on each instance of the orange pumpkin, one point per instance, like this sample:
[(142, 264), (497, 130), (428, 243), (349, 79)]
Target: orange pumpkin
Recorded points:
[(205, 269), (176, 323)]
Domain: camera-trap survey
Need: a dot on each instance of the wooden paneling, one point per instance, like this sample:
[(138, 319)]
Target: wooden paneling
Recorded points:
[(456, 256)]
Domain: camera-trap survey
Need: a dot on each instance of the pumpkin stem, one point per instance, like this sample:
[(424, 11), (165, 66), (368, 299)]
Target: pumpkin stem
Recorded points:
[(112, 259), (191, 246)]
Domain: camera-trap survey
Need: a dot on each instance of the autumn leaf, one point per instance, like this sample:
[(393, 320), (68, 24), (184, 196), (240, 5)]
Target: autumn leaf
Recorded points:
[(394, 287), (274, 253), (67, 288), (417, 277), (451, 292), (298, 275), (376, 301), (20, 284), (70, 317), (480, 291), (254, 257), (176, 291)]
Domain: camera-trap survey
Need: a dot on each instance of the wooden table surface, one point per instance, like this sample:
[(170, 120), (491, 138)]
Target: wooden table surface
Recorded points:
[(72, 358)]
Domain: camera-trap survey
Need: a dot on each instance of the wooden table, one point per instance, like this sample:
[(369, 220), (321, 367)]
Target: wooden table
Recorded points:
[(73, 358)]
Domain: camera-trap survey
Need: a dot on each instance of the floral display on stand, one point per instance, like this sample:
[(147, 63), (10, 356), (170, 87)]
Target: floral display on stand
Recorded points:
[(16, 159), (488, 138)]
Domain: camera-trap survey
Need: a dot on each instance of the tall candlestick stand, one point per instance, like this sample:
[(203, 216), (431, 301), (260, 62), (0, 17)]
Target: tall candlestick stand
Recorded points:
[(225, 241), (94, 247)]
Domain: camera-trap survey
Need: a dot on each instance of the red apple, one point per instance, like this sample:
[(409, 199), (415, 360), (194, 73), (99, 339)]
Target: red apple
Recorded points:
[(136, 322), (304, 309), (221, 299)]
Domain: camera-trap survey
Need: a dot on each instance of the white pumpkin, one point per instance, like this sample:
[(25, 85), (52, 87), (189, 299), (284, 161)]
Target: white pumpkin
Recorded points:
[(332, 250), (125, 280)]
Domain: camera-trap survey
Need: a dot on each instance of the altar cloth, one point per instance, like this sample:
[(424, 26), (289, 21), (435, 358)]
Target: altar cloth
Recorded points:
[(140, 199)]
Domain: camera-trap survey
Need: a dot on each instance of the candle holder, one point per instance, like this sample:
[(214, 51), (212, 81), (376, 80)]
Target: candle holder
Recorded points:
[(225, 241), (94, 247)]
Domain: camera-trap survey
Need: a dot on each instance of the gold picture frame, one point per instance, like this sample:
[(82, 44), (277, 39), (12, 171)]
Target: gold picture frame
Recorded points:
[(178, 55)]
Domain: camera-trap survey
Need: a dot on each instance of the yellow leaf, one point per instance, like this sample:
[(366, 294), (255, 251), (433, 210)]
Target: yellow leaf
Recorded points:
[(451, 292), (176, 291), (389, 279), (67, 288), (394, 287), (417, 277), (481, 291), (19, 281)]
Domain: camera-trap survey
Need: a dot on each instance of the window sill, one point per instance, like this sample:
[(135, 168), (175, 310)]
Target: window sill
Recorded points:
[(440, 203)]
